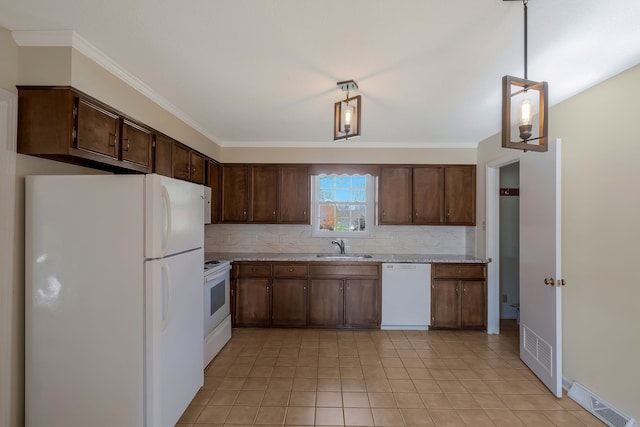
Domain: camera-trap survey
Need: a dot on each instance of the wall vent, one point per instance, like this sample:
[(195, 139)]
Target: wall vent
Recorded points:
[(538, 348), (598, 407)]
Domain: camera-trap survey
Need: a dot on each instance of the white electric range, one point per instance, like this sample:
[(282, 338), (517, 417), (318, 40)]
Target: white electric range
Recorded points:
[(217, 304)]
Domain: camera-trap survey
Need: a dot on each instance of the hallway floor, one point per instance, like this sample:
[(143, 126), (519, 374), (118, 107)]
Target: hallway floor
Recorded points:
[(376, 378)]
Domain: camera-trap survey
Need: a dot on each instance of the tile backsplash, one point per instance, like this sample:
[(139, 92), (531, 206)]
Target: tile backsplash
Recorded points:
[(286, 238)]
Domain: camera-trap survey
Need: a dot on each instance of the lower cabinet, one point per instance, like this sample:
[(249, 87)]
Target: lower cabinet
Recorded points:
[(289, 295), (299, 294), (345, 295), (326, 298), (251, 294), (458, 296)]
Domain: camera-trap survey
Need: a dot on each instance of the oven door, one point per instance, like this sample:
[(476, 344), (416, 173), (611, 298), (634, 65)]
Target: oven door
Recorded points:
[(216, 299)]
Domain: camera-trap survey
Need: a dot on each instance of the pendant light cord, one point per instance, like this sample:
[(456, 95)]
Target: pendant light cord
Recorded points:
[(524, 2)]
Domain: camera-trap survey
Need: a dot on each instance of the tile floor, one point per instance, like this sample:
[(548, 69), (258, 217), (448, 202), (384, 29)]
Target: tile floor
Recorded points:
[(376, 378)]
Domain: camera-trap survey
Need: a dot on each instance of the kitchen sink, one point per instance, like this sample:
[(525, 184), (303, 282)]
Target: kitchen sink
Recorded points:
[(343, 256)]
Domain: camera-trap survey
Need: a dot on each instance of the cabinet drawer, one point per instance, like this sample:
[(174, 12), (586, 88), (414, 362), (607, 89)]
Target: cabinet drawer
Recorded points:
[(341, 269), (290, 270), (458, 271), (254, 269)]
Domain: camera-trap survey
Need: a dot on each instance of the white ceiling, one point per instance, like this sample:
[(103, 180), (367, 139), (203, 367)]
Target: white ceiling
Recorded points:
[(264, 72)]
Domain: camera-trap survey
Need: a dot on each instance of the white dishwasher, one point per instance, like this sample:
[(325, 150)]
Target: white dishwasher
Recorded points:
[(406, 296)]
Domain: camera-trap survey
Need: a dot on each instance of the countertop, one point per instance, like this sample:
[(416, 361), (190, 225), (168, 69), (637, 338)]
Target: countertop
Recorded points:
[(398, 258)]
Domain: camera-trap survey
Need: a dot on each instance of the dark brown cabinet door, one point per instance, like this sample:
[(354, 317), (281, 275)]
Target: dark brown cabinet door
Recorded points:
[(445, 303), (362, 303), (294, 194), (252, 302), (235, 193), (326, 302), (97, 129), (428, 195), (264, 193), (215, 176), (460, 195), (289, 302), (472, 304), (164, 155), (197, 165), (181, 165), (136, 144), (395, 195)]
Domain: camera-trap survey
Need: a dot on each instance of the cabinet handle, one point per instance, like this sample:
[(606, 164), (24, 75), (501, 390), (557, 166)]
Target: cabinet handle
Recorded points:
[(456, 289), (416, 215), (267, 289), (464, 290), (383, 213), (244, 212), (290, 270), (126, 139), (304, 213), (341, 287), (232, 292), (193, 170), (113, 137), (274, 213), (188, 169)]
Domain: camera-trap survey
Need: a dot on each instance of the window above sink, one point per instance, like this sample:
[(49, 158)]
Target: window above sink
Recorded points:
[(343, 205)]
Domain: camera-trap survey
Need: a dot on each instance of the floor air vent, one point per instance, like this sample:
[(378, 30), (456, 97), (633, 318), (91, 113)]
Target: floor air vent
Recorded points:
[(598, 407)]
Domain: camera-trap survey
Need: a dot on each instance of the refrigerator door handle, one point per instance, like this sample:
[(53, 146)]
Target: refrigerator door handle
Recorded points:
[(167, 205), (166, 293)]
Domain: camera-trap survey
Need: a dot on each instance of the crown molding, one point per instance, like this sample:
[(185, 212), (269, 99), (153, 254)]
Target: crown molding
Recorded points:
[(68, 38), (351, 143)]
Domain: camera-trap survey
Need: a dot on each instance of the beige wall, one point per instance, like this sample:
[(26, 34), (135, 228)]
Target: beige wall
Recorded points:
[(66, 66), (600, 233), (340, 154)]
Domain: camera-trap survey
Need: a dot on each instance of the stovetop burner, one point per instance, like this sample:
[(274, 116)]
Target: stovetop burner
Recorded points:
[(212, 266)]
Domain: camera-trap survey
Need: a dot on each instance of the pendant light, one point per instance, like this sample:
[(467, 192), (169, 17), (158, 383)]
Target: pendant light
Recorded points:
[(530, 97), (346, 115)]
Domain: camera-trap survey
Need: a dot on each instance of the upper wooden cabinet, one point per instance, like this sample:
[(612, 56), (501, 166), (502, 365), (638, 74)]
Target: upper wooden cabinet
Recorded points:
[(163, 164), (235, 193), (64, 124), (137, 144), (266, 194), (394, 195), (427, 195), (188, 165), (460, 195), (214, 179), (294, 198)]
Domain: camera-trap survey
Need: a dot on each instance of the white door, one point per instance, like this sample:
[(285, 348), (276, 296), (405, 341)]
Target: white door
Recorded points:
[(540, 250), (174, 340)]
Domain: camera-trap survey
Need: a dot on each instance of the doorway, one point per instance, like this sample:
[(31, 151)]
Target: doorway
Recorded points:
[(509, 224)]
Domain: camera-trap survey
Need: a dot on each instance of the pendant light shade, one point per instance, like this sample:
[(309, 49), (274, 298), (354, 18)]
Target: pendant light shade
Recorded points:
[(346, 114), (524, 108), (524, 114)]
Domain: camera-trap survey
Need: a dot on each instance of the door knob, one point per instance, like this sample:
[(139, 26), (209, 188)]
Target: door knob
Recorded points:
[(549, 281)]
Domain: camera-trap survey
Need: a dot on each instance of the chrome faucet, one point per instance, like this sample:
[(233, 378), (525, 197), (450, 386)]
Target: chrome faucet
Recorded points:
[(340, 245)]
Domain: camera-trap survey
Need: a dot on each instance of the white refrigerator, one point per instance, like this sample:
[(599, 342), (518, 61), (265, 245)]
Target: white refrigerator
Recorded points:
[(113, 300)]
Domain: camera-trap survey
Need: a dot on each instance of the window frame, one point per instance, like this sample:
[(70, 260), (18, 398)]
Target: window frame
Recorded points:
[(370, 204)]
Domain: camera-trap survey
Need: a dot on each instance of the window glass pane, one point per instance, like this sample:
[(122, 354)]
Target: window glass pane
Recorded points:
[(327, 217), (341, 203)]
